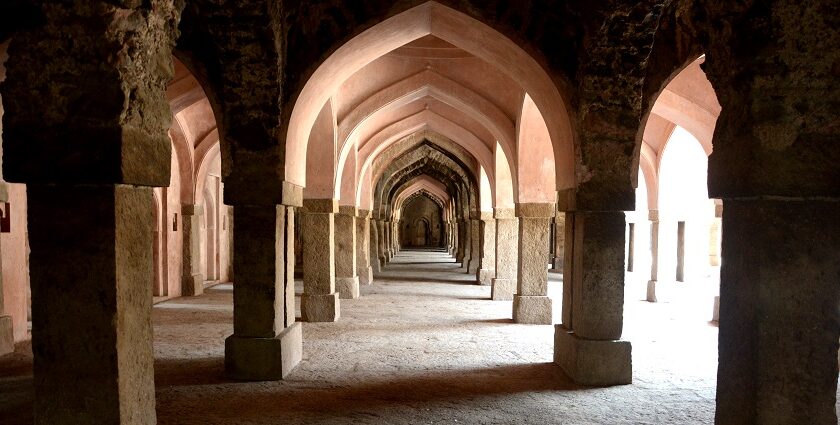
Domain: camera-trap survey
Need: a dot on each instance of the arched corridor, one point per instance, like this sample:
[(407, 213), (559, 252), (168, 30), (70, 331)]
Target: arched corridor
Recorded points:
[(495, 212)]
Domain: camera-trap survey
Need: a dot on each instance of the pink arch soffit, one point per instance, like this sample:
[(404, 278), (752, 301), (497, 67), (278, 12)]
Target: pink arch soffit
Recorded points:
[(536, 168), (370, 175), (505, 181), (688, 115), (648, 164), (203, 169), (425, 120), (429, 83), (449, 25), (347, 186), (419, 183), (184, 154), (441, 118)]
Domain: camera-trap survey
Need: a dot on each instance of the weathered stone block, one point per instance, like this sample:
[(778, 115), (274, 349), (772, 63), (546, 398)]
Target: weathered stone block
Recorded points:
[(535, 310), (502, 289), (347, 287), (591, 362), (7, 336), (264, 359), (320, 308), (486, 276)]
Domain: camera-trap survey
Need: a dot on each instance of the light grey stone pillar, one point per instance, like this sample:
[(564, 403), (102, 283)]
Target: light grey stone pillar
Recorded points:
[(587, 344), (91, 274), (363, 235), (346, 275), (319, 302), (487, 271), (267, 343), (375, 259), (779, 317), (475, 243), (531, 303), (389, 253), (653, 216), (192, 280), (346, 272), (507, 254)]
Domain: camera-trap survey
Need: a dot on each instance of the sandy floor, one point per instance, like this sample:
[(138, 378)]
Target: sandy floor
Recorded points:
[(423, 345)]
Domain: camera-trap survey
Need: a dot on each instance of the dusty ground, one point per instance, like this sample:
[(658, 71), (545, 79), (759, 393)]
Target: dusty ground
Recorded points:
[(423, 345)]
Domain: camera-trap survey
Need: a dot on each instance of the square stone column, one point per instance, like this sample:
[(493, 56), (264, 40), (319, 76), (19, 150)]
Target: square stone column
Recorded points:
[(383, 255), (475, 244), (653, 216), (389, 253), (375, 264), (363, 237), (507, 254), (319, 302), (559, 242), (531, 303), (91, 281), (461, 249), (587, 344), (7, 335), (192, 280), (267, 343), (346, 276), (779, 316), (487, 271)]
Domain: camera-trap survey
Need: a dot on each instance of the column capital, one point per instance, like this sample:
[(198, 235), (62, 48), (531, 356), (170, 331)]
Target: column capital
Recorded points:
[(190, 209), (504, 213), (653, 215), (486, 215), (292, 195), (535, 209), (320, 206), (347, 210), (364, 213)]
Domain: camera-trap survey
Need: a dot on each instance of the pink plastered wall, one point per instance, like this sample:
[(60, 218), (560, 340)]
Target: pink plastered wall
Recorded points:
[(16, 263)]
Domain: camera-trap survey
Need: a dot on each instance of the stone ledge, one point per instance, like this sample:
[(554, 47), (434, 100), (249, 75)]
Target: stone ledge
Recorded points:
[(292, 195), (264, 359), (347, 210), (591, 362)]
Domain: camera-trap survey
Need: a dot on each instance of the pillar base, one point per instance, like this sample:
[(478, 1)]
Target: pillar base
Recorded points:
[(320, 308), (502, 289), (472, 266), (651, 291), (264, 359), (7, 335), (192, 285), (590, 362), (716, 310), (366, 276), (347, 287), (486, 276), (533, 309)]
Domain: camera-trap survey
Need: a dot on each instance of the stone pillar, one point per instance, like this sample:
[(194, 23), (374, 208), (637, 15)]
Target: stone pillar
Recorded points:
[(487, 271), (7, 335), (531, 303), (192, 280), (587, 344), (91, 266), (383, 254), (389, 253), (346, 276), (475, 244), (267, 343), (714, 237), (461, 249), (780, 322), (654, 255), (631, 245), (87, 134), (363, 238), (559, 242), (319, 302), (375, 259), (507, 254)]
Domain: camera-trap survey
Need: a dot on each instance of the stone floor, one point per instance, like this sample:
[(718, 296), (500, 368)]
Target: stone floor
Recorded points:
[(423, 345)]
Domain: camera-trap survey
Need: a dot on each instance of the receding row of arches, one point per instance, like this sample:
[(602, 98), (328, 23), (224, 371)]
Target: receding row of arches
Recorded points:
[(427, 127)]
